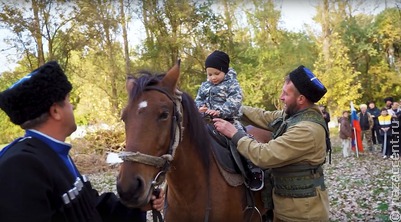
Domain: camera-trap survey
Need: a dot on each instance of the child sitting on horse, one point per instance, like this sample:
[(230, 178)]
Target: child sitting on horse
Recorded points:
[(221, 96)]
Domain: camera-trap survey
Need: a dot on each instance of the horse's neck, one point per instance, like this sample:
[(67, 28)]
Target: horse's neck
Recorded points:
[(186, 161), (187, 172), (188, 185)]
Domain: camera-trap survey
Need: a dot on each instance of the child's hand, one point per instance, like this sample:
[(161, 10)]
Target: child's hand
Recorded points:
[(213, 112), (203, 109)]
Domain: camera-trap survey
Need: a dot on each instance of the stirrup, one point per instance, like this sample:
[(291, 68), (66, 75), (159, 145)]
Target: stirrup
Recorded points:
[(261, 180)]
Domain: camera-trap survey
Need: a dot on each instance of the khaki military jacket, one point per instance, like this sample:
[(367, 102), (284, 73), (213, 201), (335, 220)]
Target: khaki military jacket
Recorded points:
[(303, 142)]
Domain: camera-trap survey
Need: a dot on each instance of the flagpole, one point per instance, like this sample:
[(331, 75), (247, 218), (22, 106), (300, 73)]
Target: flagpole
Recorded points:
[(385, 143), (356, 144), (355, 134)]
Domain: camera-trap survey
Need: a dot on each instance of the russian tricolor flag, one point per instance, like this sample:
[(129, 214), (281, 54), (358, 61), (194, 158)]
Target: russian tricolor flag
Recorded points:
[(356, 126)]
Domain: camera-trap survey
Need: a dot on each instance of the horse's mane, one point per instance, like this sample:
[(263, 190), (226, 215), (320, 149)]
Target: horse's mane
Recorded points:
[(192, 119), (196, 127), (140, 83)]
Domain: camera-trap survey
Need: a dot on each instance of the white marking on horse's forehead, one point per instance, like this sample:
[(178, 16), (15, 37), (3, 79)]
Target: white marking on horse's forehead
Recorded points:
[(142, 105)]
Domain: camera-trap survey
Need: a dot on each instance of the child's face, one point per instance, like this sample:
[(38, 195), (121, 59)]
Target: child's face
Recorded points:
[(384, 113), (215, 76)]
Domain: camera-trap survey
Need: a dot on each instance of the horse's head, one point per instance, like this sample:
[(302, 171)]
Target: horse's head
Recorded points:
[(152, 125)]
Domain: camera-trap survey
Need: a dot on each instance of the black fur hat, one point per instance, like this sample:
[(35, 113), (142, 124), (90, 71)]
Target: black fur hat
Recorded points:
[(218, 60), (307, 84), (35, 93), (388, 99)]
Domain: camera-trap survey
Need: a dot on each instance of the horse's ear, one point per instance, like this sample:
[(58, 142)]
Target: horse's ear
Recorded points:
[(129, 84), (170, 80)]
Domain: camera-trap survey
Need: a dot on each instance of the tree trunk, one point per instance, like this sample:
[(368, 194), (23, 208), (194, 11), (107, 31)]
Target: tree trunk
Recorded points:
[(125, 39), (229, 21), (326, 32), (37, 33)]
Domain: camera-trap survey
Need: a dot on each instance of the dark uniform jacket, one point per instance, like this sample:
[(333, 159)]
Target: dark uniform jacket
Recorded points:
[(33, 181)]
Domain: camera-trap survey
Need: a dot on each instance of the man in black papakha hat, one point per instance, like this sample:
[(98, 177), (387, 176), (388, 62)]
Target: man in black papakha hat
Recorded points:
[(39, 181), (297, 150)]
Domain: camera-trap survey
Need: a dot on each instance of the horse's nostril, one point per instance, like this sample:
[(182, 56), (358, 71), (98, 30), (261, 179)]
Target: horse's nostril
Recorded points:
[(137, 184), (130, 190)]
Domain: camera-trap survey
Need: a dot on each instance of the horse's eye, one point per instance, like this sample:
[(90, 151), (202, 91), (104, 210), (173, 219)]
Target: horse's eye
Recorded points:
[(164, 115)]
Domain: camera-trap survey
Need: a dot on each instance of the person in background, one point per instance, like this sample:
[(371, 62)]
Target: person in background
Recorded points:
[(345, 134), (39, 180), (388, 101), (221, 96), (385, 132), (395, 108), (366, 121), (374, 112), (326, 115), (297, 151)]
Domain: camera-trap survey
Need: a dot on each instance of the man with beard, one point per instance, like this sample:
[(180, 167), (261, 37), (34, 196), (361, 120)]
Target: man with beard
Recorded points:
[(296, 152)]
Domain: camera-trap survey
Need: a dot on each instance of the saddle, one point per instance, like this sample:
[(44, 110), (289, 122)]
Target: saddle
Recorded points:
[(225, 153), (232, 166)]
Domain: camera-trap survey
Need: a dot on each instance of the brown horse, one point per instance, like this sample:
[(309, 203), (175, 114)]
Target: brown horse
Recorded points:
[(166, 135)]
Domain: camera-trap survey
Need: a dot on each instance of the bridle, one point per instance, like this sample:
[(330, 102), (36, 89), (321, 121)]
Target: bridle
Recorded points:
[(161, 162)]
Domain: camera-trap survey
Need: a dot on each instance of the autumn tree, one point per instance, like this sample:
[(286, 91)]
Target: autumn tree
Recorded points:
[(271, 54), (104, 54), (189, 30), (387, 62), (36, 26), (333, 66)]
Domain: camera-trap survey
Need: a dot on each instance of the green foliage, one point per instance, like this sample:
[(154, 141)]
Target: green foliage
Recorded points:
[(339, 77), (189, 30), (386, 70), (9, 131), (370, 39), (276, 52)]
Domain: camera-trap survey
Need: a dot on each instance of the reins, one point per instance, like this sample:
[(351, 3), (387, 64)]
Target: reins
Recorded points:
[(162, 162)]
